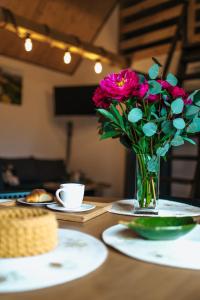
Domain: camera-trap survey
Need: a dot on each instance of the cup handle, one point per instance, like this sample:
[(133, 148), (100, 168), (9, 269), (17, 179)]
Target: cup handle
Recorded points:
[(58, 197)]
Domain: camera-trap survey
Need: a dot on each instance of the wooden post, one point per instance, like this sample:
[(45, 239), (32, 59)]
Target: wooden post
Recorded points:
[(69, 133)]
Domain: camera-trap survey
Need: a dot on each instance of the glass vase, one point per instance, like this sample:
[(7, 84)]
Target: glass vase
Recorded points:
[(147, 184)]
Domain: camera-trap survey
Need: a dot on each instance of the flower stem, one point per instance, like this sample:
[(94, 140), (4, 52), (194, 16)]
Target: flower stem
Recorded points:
[(146, 182)]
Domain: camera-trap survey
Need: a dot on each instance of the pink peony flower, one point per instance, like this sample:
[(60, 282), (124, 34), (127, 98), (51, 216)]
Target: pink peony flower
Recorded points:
[(153, 98), (165, 85), (177, 91), (100, 98), (187, 101), (120, 86), (180, 92), (142, 90)]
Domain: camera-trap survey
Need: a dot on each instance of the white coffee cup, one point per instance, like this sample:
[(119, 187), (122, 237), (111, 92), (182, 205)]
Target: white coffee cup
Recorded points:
[(70, 195)]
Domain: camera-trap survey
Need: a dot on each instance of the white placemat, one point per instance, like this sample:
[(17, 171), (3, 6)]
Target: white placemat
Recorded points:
[(6, 200), (76, 255), (166, 208), (182, 253)]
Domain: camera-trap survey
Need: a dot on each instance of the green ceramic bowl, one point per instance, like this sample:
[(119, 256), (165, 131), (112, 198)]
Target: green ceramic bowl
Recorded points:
[(161, 228)]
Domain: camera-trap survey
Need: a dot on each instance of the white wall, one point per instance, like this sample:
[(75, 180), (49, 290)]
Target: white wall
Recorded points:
[(32, 129)]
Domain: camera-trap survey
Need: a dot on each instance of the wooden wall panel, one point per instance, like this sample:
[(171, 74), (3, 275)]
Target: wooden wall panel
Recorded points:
[(142, 5), (156, 18), (147, 38), (148, 25), (193, 25)]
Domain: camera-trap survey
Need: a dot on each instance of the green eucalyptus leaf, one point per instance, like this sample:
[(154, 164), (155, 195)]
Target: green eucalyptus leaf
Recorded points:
[(178, 132), (163, 111), (171, 79), (135, 115), (158, 120), (194, 126), (149, 129), (165, 97), (197, 103), (166, 137), (177, 141), (167, 103), (167, 127), (152, 164), (179, 123), (154, 87), (177, 106), (161, 151), (142, 144), (191, 110), (130, 102), (195, 97), (155, 115), (116, 113), (109, 134), (107, 115), (141, 78), (107, 126), (189, 140), (153, 71), (115, 102), (153, 108)]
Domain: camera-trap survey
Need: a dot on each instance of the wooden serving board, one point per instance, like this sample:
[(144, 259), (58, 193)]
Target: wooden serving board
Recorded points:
[(100, 209)]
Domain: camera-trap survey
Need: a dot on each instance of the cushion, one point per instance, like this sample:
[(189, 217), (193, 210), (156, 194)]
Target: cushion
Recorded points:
[(9, 176), (50, 170), (25, 168)]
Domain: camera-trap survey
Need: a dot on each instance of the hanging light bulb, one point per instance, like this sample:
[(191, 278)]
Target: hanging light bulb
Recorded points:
[(28, 45), (98, 67), (67, 57)]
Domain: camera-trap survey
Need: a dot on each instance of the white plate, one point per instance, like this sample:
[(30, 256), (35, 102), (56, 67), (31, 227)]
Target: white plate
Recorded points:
[(83, 207), (23, 201), (183, 252), (76, 255)]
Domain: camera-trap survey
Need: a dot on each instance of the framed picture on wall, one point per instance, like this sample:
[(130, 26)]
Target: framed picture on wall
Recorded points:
[(10, 87)]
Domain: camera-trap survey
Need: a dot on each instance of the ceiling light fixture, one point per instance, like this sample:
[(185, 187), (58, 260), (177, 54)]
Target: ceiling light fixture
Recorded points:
[(98, 67), (67, 57), (42, 33), (28, 45)]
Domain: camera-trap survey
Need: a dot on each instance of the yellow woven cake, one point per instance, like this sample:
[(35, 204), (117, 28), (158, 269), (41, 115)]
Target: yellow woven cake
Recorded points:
[(26, 231)]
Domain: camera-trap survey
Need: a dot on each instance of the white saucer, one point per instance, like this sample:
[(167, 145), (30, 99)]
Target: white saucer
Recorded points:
[(83, 207), (23, 201)]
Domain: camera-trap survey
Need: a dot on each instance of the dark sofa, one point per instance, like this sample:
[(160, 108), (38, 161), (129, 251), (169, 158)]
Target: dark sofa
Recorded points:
[(32, 172)]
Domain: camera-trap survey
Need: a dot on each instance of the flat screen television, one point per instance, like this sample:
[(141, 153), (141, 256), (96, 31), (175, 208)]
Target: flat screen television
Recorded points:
[(74, 100)]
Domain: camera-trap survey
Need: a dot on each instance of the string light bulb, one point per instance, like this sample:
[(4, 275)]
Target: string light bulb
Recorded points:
[(67, 57), (28, 45), (98, 67)]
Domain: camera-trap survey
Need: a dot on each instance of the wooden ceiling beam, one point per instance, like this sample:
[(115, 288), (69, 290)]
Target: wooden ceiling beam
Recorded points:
[(21, 26)]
